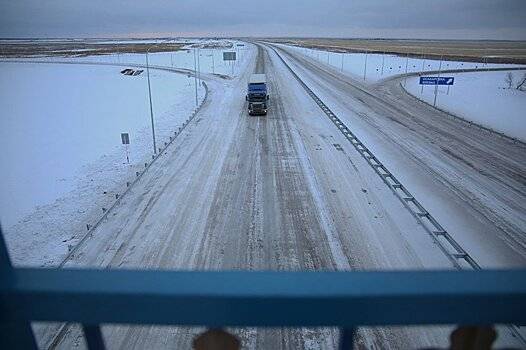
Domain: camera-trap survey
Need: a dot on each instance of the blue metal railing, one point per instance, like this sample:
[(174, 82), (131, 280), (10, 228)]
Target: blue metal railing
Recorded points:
[(254, 299)]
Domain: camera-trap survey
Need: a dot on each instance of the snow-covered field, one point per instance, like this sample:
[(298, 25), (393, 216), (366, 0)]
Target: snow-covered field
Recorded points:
[(59, 120), (207, 59), (375, 67), (480, 97)]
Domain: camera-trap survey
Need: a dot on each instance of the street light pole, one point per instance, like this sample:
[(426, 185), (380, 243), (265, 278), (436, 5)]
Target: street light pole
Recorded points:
[(150, 93), (195, 78), (423, 68), (436, 85), (406, 62), (213, 65), (199, 65), (365, 66), (150, 98)]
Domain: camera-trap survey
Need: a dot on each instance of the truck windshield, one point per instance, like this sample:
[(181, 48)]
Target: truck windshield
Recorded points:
[(257, 87)]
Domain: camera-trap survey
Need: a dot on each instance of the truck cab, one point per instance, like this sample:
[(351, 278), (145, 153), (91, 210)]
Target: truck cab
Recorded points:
[(257, 94)]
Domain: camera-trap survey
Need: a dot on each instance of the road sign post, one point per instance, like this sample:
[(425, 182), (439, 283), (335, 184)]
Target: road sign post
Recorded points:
[(231, 57), (125, 138), (436, 81)]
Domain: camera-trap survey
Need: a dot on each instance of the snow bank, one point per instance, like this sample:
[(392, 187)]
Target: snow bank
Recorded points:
[(480, 97)]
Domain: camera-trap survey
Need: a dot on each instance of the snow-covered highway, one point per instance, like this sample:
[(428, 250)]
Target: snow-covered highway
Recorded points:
[(288, 191), (472, 180)]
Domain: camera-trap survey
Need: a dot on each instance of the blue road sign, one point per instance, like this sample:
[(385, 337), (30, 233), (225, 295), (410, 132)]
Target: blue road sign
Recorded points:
[(437, 80)]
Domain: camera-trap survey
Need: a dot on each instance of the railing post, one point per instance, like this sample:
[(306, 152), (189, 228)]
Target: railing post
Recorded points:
[(346, 339), (93, 337), (15, 332)]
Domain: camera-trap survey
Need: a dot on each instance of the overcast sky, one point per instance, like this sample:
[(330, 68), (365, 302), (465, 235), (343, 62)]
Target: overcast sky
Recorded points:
[(448, 19)]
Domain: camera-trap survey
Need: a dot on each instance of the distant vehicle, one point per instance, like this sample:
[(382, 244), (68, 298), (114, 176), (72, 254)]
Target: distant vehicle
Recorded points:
[(257, 95)]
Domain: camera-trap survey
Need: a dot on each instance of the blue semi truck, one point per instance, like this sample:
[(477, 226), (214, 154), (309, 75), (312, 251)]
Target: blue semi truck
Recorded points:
[(257, 95)]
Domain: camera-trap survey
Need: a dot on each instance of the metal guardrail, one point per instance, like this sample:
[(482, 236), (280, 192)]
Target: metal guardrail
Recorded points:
[(252, 299)]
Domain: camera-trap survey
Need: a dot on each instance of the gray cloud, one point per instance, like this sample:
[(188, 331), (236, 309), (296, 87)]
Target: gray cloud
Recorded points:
[(470, 19)]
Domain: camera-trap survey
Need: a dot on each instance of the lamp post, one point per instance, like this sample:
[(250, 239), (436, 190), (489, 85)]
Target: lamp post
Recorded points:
[(365, 66), (436, 85), (150, 99), (199, 65), (213, 65), (195, 77), (150, 92)]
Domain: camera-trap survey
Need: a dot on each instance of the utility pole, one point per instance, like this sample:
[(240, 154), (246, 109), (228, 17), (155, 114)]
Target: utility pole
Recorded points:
[(213, 65), (423, 67), (195, 78), (150, 92), (365, 66), (151, 106), (406, 62), (436, 86), (199, 65)]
